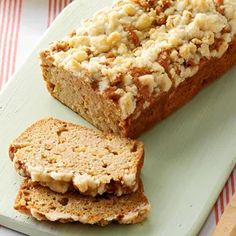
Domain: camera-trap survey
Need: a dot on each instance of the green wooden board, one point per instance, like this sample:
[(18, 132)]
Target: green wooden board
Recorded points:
[(188, 158)]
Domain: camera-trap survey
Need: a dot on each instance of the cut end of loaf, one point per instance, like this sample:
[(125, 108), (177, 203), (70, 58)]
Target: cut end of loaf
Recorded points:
[(44, 204)]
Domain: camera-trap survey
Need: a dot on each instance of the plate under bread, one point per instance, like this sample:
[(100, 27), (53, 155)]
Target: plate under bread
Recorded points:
[(188, 157)]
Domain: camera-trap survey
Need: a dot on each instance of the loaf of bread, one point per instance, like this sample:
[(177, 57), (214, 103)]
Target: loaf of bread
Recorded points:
[(136, 62), (65, 156), (44, 204)]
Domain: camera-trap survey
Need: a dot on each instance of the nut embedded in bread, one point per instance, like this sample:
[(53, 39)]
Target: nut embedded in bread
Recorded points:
[(133, 64), (64, 156), (44, 204)]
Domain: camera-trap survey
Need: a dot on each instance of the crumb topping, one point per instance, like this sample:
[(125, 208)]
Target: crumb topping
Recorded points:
[(164, 41)]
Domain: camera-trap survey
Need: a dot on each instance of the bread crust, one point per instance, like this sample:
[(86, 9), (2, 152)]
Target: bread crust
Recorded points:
[(167, 103), (105, 115)]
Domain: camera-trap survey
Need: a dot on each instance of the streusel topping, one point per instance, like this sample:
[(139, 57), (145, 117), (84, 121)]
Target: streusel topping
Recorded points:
[(146, 46)]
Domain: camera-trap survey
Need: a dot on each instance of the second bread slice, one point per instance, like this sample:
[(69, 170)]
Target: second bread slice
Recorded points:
[(44, 204), (62, 156)]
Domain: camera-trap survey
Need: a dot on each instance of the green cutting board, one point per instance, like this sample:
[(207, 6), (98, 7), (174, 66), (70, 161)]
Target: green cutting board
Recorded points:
[(188, 157)]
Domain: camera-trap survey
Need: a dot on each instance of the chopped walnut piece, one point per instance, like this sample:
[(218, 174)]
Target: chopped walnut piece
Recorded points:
[(219, 7), (216, 45), (133, 37), (137, 72), (147, 4), (189, 63), (71, 34), (117, 79), (177, 69), (164, 59), (88, 51), (60, 46), (165, 4), (161, 19), (111, 94)]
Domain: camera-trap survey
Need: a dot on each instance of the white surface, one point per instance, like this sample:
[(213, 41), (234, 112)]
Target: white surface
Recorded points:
[(33, 25)]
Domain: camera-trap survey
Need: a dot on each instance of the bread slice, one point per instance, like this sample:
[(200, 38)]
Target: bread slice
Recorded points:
[(44, 204), (62, 155)]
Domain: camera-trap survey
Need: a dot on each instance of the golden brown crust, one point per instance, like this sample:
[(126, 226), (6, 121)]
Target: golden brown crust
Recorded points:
[(171, 101)]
